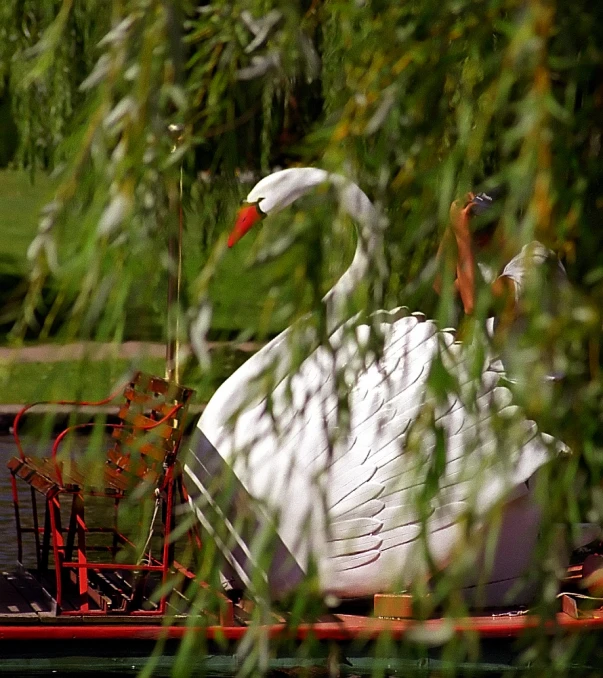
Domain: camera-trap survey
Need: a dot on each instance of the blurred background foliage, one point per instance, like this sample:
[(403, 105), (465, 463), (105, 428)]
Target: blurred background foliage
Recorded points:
[(417, 102)]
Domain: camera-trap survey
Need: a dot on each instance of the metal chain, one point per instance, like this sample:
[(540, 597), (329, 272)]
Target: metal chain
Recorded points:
[(151, 528)]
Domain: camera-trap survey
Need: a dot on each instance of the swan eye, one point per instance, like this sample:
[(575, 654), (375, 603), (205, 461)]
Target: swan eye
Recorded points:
[(255, 203)]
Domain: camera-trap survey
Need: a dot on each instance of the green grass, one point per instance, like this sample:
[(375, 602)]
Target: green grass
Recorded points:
[(86, 380), (241, 298), (238, 295), (93, 380), (238, 298), (20, 205)]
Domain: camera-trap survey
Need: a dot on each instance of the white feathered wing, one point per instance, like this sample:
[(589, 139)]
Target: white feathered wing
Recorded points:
[(356, 503)]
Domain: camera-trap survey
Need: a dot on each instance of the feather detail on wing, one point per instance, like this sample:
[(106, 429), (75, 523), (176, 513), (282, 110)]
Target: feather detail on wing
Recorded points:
[(352, 487)]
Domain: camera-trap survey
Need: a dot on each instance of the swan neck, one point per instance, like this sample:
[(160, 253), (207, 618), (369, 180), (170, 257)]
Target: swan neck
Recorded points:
[(369, 251)]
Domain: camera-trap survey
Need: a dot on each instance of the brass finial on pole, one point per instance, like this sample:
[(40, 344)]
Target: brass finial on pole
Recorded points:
[(172, 358)]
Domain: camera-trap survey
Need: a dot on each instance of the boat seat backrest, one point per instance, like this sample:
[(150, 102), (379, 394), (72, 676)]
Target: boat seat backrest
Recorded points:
[(151, 425)]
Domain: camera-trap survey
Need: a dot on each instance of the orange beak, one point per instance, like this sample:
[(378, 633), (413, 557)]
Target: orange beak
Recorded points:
[(247, 216)]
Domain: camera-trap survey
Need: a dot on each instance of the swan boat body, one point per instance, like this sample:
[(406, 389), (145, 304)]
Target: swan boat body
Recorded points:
[(410, 480), (352, 503)]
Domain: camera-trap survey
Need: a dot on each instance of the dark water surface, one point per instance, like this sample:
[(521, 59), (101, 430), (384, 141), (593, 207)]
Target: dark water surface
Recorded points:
[(8, 538)]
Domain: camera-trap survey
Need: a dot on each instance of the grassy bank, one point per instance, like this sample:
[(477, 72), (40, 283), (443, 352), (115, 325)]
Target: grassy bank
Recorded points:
[(90, 381), (95, 379), (238, 296)]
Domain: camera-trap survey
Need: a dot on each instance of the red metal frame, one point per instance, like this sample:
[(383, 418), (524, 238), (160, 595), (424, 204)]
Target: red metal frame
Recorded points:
[(83, 403), (53, 530)]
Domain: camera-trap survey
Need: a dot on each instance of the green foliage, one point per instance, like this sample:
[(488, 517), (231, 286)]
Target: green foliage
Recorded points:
[(510, 96), (19, 209), (417, 102), (46, 50)]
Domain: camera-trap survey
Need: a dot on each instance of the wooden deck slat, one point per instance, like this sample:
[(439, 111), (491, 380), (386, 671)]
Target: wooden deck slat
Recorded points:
[(32, 591), (70, 595), (116, 599), (26, 598), (11, 601)]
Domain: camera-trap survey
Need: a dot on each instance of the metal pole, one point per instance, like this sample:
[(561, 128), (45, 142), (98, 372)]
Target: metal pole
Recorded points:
[(172, 357)]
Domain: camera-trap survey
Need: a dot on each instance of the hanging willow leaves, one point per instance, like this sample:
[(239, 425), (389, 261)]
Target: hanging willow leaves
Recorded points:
[(418, 102)]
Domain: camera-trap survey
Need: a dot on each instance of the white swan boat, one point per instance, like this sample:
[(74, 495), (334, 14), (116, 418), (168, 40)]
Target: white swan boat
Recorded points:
[(416, 481)]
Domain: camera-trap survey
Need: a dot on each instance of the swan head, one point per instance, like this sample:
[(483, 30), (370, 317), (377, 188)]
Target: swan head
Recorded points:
[(272, 194)]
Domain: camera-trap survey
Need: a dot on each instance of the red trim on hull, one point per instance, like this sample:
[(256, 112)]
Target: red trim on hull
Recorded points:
[(349, 628)]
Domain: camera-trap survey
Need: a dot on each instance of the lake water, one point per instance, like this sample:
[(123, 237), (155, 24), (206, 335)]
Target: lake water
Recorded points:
[(8, 542)]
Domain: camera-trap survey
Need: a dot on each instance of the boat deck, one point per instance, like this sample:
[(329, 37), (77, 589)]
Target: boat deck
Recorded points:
[(23, 598), (26, 599)]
